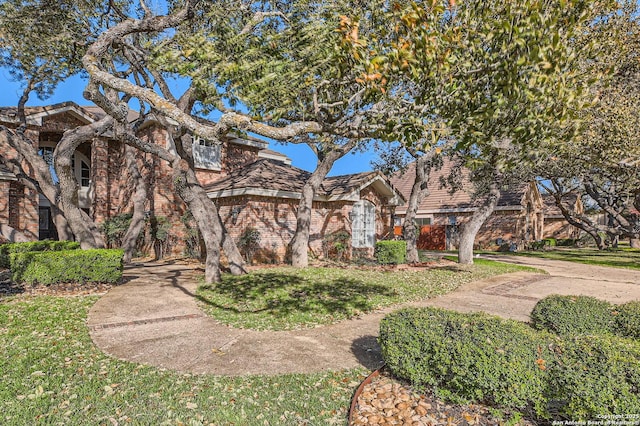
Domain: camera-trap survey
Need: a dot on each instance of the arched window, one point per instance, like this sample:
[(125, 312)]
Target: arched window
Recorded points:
[(363, 224), (81, 169)]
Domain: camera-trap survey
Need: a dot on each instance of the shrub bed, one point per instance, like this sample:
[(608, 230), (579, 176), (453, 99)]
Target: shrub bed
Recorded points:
[(7, 249), (466, 357), (590, 375), (387, 252), (574, 315), (48, 267), (628, 320), (509, 365)]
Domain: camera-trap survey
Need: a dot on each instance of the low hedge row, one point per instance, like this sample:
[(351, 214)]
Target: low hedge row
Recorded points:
[(7, 249), (573, 315), (49, 267), (391, 251), (509, 365)]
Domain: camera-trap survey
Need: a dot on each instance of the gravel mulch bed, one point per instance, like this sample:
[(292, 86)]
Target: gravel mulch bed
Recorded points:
[(387, 401), (9, 288)]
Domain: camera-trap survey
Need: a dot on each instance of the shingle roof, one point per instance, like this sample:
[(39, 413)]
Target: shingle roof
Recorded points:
[(285, 180), (440, 198)]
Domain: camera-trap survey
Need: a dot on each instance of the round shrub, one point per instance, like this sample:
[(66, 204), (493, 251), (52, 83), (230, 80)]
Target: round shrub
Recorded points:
[(509, 365), (591, 375), (628, 320), (391, 251), (571, 315), (467, 357)]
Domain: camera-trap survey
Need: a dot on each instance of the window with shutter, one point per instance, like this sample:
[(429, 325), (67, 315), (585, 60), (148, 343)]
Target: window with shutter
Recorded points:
[(363, 224)]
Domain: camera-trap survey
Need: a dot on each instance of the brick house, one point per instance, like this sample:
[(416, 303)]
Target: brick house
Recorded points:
[(264, 195), (105, 189), (520, 216)]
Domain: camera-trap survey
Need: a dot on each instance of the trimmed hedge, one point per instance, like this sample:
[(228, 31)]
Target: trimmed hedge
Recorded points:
[(391, 251), (574, 315), (7, 249), (628, 320), (506, 364), (100, 265), (466, 357), (591, 375)]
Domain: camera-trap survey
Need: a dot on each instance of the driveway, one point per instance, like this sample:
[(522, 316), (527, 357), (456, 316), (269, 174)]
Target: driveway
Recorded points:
[(154, 319)]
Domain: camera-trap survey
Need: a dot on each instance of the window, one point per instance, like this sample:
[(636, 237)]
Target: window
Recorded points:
[(206, 154), (81, 170), (363, 224), (46, 152), (85, 174), (422, 221)]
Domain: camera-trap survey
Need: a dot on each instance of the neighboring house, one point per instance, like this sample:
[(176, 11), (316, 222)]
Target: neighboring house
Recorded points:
[(252, 185), (519, 217), (555, 224)]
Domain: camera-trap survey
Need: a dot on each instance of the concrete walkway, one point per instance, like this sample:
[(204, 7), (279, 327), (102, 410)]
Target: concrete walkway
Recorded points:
[(154, 319)]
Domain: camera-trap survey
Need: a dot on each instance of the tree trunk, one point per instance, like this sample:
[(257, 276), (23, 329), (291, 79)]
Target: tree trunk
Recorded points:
[(84, 229), (205, 213), (12, 234), (419, 191), (61, 223), (300, 242), (471, 228), (634, 243), (234, 257), (139, 199)]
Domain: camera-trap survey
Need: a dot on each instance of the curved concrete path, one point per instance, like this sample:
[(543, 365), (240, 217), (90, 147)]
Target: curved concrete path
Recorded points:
[(154, 319)]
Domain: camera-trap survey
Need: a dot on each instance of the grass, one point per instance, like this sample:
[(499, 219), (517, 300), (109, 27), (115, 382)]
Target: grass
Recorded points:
[(621, 258), (51, 373), (286, 298)]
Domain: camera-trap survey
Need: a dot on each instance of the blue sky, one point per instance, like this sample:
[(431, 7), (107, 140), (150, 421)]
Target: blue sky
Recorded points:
[(71, 90)]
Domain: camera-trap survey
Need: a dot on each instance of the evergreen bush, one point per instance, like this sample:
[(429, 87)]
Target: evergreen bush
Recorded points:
[(574, 315), (99, 265), (506, 364), (467, 357), (46, 245), (628, 320), (391, 251), (590, 375)]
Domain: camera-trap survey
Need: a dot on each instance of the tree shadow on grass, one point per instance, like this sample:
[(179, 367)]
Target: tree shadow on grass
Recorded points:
[(281, 295)]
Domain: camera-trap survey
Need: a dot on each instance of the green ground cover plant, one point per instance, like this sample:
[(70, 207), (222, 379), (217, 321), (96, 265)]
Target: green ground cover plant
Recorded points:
[(51, 373), (286, 298)]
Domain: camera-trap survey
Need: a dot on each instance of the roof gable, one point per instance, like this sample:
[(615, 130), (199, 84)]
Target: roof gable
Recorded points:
[(271, 178), (36, 115)]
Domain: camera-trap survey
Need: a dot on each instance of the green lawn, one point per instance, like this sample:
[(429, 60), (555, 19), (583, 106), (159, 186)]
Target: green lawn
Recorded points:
[(51, 373), (624, 258), (286, 298)]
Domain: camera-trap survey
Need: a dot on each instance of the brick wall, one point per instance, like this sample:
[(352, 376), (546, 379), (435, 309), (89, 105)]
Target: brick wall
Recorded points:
[(4, 201), (23, 210), (275, 218)]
